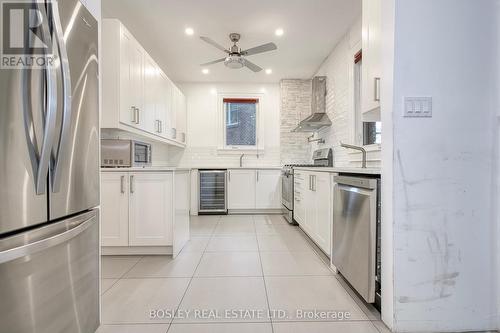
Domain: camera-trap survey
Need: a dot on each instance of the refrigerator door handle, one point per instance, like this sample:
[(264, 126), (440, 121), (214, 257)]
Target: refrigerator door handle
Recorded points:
[(67, 95), (43, 244), (50, 124)]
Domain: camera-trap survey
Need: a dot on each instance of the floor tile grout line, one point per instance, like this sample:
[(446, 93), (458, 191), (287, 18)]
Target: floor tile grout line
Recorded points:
[(109, 286), (122, 276), (191, 279), (264, 279)]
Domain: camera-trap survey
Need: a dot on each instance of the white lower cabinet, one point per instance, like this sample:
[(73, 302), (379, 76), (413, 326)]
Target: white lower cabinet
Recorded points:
[(299, 207), (313, 206), (182, 197), (268, 189), (150, 222), (241, 189), (254, 189), (323, 220), (114, 209), (145, 209)]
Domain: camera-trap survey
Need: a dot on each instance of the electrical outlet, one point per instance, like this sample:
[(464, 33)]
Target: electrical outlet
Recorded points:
[(418, 107)]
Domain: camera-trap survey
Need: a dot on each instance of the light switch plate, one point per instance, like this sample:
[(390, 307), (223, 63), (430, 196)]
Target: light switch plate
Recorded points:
[(418, 107)]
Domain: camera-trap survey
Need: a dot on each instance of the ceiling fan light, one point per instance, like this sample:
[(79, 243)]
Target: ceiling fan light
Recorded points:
[(234, 62)]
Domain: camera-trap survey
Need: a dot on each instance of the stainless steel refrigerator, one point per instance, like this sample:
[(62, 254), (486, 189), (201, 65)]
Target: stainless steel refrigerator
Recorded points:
[(49, 178)]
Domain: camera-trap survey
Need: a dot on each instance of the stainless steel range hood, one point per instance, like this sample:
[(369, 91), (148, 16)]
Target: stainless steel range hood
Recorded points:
[(318, 118)]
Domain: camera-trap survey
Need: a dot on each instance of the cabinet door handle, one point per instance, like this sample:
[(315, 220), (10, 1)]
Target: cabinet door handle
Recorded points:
[(132, 187), (161, 126), (376, 95), (122, 184), (229, 174), (138, 115), (314, 183), (134, 114), (257, 176)]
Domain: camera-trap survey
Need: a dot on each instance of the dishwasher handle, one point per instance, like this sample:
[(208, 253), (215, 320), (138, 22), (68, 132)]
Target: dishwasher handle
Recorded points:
[(361, 182)]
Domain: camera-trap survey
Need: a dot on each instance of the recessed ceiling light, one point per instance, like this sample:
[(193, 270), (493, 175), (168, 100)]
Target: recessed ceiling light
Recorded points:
[(205, 71), (189, 31), (269, 71), (279, 32)]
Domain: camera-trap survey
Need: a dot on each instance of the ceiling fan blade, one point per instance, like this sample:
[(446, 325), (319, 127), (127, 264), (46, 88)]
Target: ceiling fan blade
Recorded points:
[(213, 62), (214, 43), (252, 66), (260, 49)]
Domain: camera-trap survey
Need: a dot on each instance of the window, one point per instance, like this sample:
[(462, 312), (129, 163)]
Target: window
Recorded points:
[(372, 133), (367, 133), (240, 124)]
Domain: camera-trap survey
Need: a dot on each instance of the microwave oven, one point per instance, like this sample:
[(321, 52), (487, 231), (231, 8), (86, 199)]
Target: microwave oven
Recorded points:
[(117, 153)]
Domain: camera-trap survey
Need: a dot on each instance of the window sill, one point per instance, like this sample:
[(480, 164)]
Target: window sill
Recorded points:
[(239, 151)]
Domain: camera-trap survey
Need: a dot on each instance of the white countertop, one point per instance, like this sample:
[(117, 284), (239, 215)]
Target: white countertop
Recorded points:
[(366, 171), (242, 168), (145, 169)]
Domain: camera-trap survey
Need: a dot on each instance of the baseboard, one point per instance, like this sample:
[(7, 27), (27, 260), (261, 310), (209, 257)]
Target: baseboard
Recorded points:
[(135, 250)]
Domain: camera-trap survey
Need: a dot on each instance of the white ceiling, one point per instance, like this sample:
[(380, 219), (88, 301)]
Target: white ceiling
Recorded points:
[(312, 28)]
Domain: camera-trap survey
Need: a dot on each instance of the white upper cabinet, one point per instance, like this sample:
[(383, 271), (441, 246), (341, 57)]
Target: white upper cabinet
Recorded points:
[(181, 119), (241, 189), (372, 57), (137, 96), (151, 96), (268, 189), (163, 106)]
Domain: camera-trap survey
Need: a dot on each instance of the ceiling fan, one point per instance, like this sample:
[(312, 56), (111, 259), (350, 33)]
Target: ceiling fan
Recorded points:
[(235, 58)]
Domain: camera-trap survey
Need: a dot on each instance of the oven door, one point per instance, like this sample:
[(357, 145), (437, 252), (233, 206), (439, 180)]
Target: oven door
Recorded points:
[(287, 190), (141, 154)]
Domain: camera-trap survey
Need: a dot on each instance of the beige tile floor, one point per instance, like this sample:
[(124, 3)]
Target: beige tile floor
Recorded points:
[(248, 264)]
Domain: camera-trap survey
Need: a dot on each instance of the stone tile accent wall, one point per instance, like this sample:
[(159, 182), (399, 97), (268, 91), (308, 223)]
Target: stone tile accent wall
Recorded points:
[(295, 106)]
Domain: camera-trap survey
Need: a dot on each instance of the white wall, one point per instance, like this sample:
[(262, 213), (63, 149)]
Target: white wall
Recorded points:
[(444, 168), (497, 88), (387, 175), (338, 68), (203, 129)]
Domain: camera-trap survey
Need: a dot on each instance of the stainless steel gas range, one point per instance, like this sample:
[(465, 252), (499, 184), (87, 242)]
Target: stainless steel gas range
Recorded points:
[(321, 158)]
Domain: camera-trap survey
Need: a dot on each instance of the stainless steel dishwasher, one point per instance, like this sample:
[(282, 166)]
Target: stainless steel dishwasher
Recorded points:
[(354, 241), (212, 192)]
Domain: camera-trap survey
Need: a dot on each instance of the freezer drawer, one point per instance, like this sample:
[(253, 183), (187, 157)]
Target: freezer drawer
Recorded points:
[(49, 278)]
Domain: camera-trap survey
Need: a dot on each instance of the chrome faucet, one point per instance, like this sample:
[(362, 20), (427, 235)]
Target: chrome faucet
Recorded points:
[(241, 160), (361, 149)]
